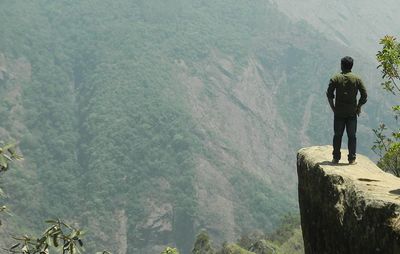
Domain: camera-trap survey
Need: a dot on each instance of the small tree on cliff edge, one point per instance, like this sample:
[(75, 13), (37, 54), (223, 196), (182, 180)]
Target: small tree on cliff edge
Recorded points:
[(387, 146)]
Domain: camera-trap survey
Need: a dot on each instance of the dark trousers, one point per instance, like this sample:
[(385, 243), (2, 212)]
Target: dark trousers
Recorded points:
[(339, 124)]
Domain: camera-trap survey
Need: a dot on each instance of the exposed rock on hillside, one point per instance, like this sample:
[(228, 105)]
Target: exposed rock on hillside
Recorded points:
[(347, 208)]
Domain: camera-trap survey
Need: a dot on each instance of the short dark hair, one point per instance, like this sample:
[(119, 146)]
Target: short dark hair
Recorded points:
[(347, 63)]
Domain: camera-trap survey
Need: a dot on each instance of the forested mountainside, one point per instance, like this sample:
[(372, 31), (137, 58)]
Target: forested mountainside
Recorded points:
[(147, 121)]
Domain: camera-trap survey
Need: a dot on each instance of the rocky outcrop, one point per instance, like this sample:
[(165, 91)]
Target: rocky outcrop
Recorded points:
[(347, 208)]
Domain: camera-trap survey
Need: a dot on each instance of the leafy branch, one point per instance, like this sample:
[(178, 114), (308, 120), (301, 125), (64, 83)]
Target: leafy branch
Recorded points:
[(382, 142), (60, 236), (7, 154), (389, 62), (388, 146)]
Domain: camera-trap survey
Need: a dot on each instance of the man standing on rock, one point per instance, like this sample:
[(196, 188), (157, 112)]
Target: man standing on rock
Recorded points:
[(345, 86)]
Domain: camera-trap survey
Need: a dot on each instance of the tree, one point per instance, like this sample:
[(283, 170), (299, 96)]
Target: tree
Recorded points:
[(202, 244), (170, 250), (388, 146)]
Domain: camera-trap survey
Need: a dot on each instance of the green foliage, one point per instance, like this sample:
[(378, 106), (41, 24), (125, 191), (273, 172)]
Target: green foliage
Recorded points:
[(59, 237), (7, 154), (202, 245), (293, 245), (389, 63), (382, 143), (285, 239), (263, 247), (106, 117), (387, 146), (267, 207), (390, 162), (286, 228), (246, 241), (170, 250), (233, 249)]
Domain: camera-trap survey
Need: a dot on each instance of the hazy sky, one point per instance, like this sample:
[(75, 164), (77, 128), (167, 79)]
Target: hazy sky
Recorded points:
[(358, 24)]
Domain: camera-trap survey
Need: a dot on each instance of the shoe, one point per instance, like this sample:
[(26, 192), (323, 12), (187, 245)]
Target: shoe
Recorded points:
[(352, 162), (335, 161)]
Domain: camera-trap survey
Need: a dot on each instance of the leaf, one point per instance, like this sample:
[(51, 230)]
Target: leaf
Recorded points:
[(55, 240), (8, 146), (15, 246), (51, 221), (42, 240), (3, 161), (25, 249), (11, 150)]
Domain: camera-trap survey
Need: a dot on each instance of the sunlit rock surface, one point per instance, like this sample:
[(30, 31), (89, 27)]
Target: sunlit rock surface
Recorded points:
[(347, 208)]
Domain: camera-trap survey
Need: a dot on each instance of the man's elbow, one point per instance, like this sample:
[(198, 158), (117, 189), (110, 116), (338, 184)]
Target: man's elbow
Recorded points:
[(330, 96)]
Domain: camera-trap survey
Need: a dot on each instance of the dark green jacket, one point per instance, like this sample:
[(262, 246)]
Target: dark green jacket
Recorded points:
[(345, 86)]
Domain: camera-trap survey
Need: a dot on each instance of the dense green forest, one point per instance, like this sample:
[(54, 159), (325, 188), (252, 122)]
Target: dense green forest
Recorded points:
[(99, 95)]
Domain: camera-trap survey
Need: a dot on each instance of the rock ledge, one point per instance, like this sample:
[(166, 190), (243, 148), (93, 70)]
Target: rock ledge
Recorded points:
[(347, 208)]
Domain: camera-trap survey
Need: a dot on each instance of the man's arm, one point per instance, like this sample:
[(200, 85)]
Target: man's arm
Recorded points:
[(363, 98), (363, 92), (330, 100), (330, 93)]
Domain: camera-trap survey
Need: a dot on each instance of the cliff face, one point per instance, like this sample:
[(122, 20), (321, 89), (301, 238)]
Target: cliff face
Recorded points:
[(347, 208)]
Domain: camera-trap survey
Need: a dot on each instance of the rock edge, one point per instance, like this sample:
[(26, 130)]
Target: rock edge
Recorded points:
[(347, 208)]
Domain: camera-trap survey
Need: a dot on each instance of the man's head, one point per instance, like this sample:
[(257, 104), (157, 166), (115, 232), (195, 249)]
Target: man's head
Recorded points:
[(347, 63)]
